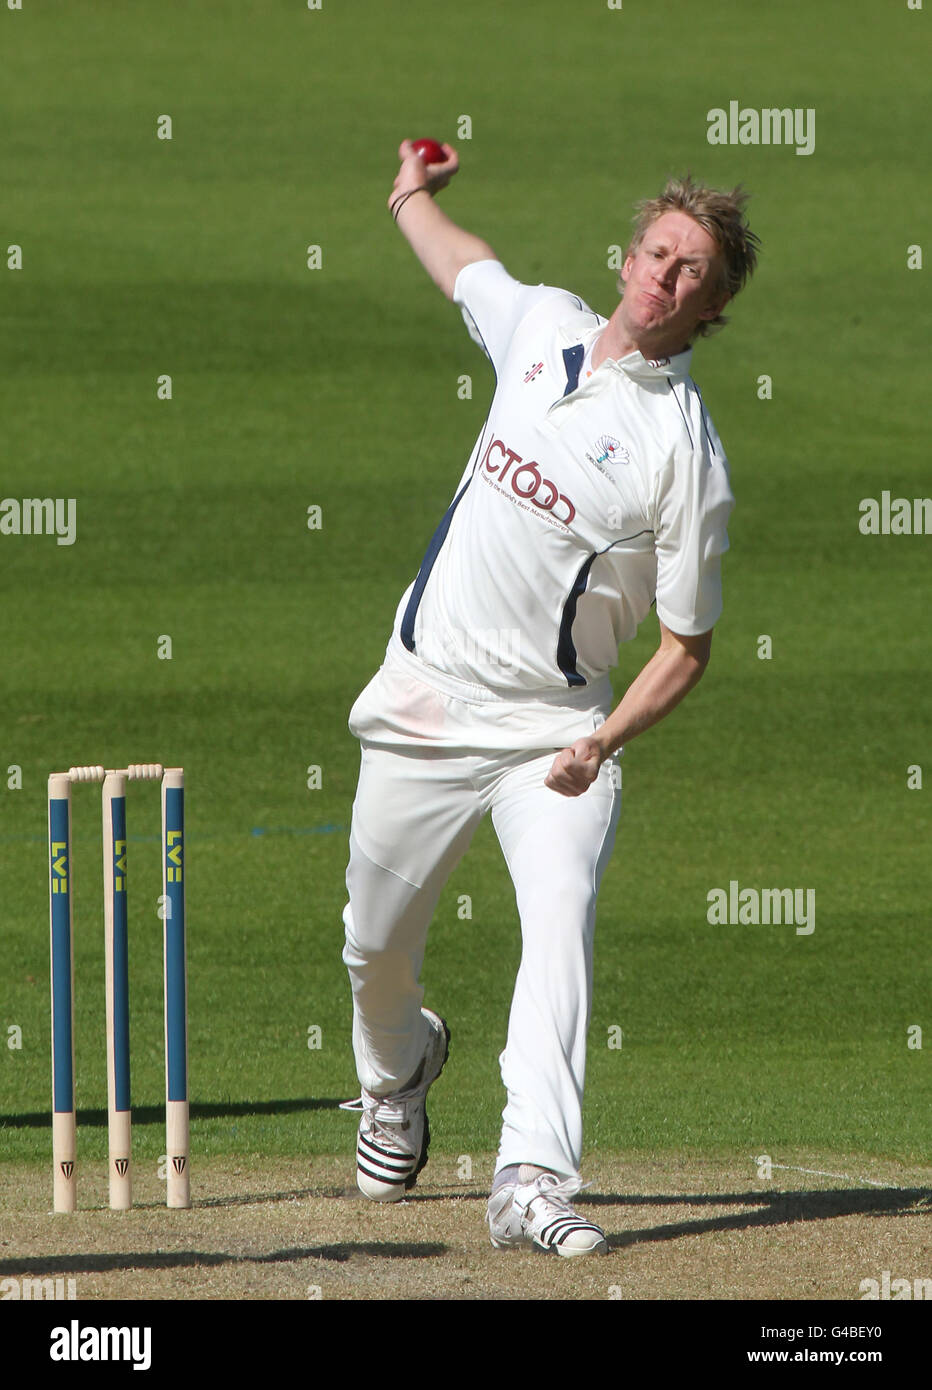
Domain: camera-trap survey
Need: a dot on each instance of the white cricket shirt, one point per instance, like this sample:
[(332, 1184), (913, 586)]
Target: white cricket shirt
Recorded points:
[(583, 502)]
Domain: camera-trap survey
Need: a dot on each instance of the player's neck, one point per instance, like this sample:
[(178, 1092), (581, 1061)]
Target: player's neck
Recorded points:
[(614, 342)]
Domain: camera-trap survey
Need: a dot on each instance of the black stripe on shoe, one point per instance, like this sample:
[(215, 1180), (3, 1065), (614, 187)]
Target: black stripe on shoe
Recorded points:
[(395, 1166), (380, 1171), (389, 1179), (557, 1231), (376, 1154)]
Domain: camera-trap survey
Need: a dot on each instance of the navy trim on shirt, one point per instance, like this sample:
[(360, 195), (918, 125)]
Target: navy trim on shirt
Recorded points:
[(572, 361), (427, 564), (566, 650), (567, 656)]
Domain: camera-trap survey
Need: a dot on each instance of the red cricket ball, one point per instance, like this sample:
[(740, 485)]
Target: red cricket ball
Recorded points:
[(430, 151)]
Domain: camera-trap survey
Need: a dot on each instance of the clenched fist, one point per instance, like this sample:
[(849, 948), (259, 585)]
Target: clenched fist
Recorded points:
[(575, 769)]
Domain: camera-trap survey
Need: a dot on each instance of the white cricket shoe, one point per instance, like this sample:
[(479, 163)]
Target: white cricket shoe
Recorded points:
[(538, 1213), (394, 1132)]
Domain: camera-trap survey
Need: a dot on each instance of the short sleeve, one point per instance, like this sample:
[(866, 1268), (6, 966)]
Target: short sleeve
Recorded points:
[(493, 304), (692, 505)]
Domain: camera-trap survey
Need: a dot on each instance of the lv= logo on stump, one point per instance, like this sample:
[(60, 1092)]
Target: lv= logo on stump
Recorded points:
[(116, 940)]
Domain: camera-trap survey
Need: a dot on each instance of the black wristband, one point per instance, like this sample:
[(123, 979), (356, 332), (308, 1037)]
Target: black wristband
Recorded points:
[(402, 198)]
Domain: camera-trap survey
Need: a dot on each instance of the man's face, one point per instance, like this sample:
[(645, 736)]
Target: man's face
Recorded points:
[(672, 282)]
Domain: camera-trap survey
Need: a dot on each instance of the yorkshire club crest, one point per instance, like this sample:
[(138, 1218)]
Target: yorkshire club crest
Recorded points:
[(608, 449)]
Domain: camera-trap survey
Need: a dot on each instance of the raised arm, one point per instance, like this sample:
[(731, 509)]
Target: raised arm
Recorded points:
[(440, 245)]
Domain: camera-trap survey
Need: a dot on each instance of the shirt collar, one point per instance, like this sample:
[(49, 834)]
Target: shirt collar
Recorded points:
[(647, 369)]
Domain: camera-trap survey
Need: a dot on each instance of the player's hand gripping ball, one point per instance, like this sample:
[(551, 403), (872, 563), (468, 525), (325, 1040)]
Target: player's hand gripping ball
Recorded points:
[(424, 164), (431, 151)]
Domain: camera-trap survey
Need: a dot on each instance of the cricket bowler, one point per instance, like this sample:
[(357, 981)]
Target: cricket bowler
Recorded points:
[(597, 489)]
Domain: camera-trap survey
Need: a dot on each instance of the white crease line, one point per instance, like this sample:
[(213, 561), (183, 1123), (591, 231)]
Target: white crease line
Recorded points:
[(817, 1172)]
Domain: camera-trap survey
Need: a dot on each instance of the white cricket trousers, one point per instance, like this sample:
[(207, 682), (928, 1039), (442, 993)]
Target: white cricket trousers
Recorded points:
[(414, 815)]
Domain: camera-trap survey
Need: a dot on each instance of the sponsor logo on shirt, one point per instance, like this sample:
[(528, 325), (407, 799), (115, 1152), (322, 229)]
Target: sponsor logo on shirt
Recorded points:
[(537, 367), (658, 361), (522, 482)]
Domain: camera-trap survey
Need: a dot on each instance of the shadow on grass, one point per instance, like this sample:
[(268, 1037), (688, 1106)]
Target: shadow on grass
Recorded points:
[(773, 1209), (48, 1266), (155, 1114)]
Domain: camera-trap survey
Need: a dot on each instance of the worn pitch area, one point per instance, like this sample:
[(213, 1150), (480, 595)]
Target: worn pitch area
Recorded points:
[(678, 1228)]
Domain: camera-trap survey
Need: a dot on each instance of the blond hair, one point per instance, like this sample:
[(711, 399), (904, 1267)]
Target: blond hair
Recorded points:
[(722, 216)]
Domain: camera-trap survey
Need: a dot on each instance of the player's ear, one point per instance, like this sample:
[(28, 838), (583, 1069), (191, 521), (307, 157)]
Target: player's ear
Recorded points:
[(713, 310), (626, 268), (718, 296)]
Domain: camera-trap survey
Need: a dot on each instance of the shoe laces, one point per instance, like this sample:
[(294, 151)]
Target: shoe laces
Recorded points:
[(386, 1114), (549, 1187), (393, 1109)]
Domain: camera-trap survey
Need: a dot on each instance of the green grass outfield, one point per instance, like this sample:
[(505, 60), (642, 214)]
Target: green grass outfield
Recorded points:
[(337, 388)]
